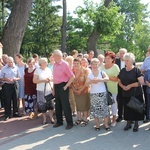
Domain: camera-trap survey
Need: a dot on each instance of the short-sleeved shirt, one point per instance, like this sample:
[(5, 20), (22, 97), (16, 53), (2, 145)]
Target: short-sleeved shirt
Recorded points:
[(61, 72), (146, 64), (129, 77), (100, 86), (43, 74), (113, 71), (10, 72), (79, 81)]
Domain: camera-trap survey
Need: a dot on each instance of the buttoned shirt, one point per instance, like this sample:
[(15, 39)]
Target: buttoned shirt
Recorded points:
[(10, 72), (146, 64), (61, 72)]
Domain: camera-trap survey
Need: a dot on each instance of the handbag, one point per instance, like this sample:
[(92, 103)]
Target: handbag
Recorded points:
[(42, 108), (109, 97), (136, 105), (48, 98)]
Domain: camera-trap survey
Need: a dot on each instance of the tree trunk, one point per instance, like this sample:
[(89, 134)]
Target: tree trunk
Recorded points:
[(92, 41), (93, 38), (14, 29), (63, 28)]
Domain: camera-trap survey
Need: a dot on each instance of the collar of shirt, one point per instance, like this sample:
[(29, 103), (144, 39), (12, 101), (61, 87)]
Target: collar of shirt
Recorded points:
[(12, 66)]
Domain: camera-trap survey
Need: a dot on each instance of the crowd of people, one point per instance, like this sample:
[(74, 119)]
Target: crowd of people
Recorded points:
[(79, 83)]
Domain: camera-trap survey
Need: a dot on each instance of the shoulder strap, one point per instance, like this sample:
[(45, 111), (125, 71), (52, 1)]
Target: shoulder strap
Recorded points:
[(45, 87), (104, 82)]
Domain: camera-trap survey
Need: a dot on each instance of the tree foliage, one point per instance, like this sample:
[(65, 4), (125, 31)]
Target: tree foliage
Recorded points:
[(43, 30)]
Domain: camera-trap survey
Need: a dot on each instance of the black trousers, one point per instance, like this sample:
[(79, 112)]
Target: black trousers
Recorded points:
[(120, 102), (10, 93), (62, 104)]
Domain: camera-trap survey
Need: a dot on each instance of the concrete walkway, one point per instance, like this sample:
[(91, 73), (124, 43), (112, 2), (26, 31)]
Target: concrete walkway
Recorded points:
[(45, 137)]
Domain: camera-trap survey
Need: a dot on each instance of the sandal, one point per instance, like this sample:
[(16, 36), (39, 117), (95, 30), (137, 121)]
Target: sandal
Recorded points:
[(84, 123), (77, 122), (97, 128)]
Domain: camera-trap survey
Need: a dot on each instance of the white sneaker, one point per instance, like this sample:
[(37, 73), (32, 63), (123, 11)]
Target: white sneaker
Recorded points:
[(114, 124)]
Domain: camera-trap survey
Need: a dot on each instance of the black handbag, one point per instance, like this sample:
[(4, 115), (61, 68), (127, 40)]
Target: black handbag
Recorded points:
[(49, 98), (136, 105), (109, 97), (42, 108)]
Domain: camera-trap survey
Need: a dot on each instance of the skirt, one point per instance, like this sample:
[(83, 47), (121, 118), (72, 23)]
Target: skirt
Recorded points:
[(82, 102), (30, 103), (41, 101), (99, 107)]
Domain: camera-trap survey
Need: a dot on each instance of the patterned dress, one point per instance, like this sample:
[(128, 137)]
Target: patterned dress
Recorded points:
[(82, 100), (30, 92), (99, 107)]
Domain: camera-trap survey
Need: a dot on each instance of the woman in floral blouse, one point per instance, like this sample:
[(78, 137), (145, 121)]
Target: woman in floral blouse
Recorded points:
[(81, 92)]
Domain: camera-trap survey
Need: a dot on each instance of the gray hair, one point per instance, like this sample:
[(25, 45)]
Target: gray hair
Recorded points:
[(129, 56), (123, 49), (43, 60), (101, 56), (58, 52), (10, 58), (95, 60)]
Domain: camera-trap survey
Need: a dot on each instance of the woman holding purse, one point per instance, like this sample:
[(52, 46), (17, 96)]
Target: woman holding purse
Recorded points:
[(43, 77), (130, 80)]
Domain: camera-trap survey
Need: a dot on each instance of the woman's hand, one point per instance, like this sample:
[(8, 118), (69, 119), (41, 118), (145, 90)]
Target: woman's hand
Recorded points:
[(126, 88)]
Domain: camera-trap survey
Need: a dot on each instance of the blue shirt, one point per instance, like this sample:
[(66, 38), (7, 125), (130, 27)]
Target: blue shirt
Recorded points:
[(146, 64), (10, 72)]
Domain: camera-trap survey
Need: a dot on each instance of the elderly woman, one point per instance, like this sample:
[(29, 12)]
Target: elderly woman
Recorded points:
[(30, 90), (42, 77), (21, 66), (99, 107), (112, 70), (81, 92), (130, 80)]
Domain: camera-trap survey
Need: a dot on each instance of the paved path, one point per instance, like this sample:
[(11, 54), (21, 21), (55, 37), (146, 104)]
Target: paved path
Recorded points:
[(25, 134)]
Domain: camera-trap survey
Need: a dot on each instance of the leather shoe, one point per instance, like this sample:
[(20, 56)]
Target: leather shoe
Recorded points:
[(57, 125), (68, 127), (17, 115), (118, 119), (146, 121), (6, 118), (127, 127), (135, 129)]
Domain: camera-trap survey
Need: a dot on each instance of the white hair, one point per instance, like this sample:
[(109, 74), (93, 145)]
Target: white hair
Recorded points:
[(123, 49), (10, 58), (42, 60), (58, 52), (95, 60), (129, 56)]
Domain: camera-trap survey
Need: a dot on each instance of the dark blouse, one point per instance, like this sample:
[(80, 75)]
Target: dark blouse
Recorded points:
[(129, 77), (30, 87)]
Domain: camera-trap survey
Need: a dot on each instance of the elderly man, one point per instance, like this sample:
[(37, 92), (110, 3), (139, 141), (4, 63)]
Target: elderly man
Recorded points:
[(10, 76), (145, 66), (63, 77), (121, 64)]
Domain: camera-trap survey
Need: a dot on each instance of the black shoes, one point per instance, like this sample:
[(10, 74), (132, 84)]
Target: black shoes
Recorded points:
[(118, 119), (57, 125), (68, 127), (136, 128), (6, 118), (17, 115), (127, 127), (146, 121)]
